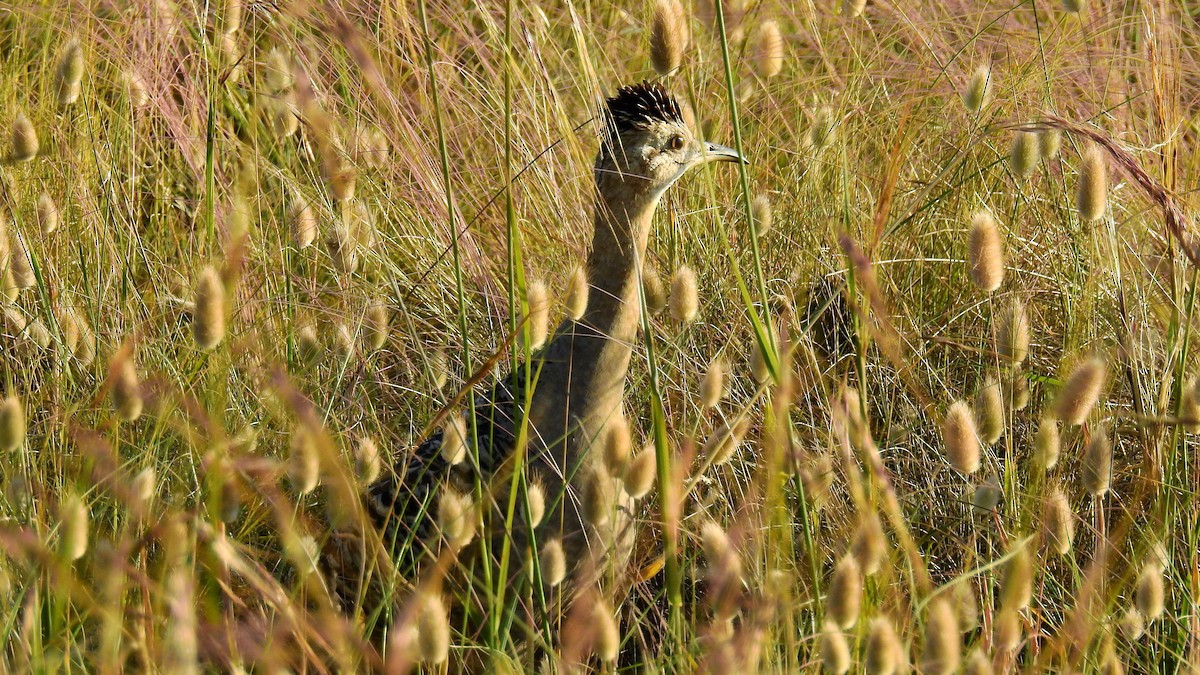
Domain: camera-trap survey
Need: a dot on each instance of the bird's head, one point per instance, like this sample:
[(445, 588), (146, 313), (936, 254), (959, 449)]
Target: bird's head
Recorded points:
[(647, 144)]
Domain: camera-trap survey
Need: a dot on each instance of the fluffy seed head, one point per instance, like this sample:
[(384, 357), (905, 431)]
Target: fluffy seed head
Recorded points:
[(456, 518), (986, 252), (1012, 336), (618, 446), (12, 423), (1023, 154), (1096, 472), (366, 460), (653, 289), (24, 139), (1017, 588), (979, 89), (943, 642), (126, 389), (640, 473), (537, 297), (577, 294), (986, 498), (725, 441), (978, 663), (1058, 522), (553, 563), (304, 462), (1131, 625), (1046, 444), (454, 440), (724, 564), (278, 71), (1006, 630), (47, 214), (960, 438), (69, 74), (989, 411), (342, 247), (1150, 595), (835, 653), (536, 496), (845, 593), (885, 654), (712, 387), (769, 50), (1081, 391), (854, 8), (1091, 195), (135, 90), (607, 637), (758, 364), (597, 498), (1049, 143), (376, 324), (818, 478), (966, 607), (20, 267), (685, 300), (303, 221), (763, 216), (1189, 405), (669, 36), (433, 629), (1073, 6), (208, 318), (870, 544), (74, 536)]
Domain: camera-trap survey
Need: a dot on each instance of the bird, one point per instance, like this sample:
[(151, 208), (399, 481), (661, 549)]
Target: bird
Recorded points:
[(574, 388)]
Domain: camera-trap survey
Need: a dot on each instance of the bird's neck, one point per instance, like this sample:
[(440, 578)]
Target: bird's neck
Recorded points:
[(582, 382)]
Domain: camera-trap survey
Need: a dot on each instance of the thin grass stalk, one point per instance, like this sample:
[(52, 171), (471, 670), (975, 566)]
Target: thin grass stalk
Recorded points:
[(764, 331), (460, 294)]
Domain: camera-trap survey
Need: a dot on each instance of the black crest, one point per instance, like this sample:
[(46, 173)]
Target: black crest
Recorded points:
[(638, 105)]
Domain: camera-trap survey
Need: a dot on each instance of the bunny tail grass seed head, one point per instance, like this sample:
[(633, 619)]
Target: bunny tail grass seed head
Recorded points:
[(669, 36), (768, 56), (454, 440), (1081, 391), (835, 652), (366, 460), (845, 593), (724, 441), (943, 641), (1012, 336), (456, 518), (577, 294), (378, 324), (1049, 143), (685, 299), (640, 473), (135, 89), (1058, 522), (535, 496), (1131, 625), (20, 267), (960, 438), (763, 216), (303, 221), (1096, 472), (1073, 6), (724, 563), (654, 291), (985, 252), (1150, 594), (433, 628), (986, 498), (978, 663), (1046, 444), (989, 411), (73, 538), (712, 387), (47, 214), (1189, 405), (537, 297), (979, 89), (12, 423), (854, 8), (966, 607), (884, 652), (208, 317), (304, 461), (1017, 587), (597, 498), (618, 446), (553, 562), (69, 74), (1023, 154), (24, 139), (870, 544), (1091, 194), (126, 388)]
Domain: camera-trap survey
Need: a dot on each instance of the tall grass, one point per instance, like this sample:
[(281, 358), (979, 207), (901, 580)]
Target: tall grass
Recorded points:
[(168, 486)]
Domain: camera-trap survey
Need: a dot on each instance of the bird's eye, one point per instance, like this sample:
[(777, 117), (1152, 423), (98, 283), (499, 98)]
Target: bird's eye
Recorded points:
[(675, 143)]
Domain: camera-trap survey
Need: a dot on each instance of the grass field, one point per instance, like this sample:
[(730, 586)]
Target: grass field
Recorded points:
[(250, 250)]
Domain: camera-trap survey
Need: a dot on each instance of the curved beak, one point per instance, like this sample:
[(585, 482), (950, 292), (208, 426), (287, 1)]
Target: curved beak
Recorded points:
[(721, 153)]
